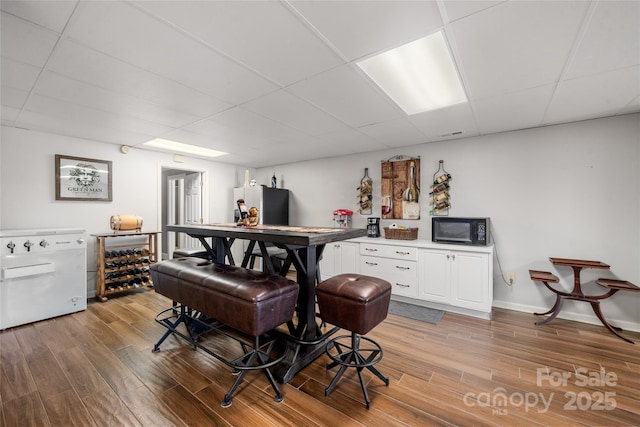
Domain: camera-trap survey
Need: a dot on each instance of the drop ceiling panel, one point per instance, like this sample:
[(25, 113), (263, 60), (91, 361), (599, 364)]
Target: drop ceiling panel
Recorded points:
[(516, 45), (12, 97), (265, 36), (59, 87), (95, 68), (461, 8), (519, 110), (360, 28), (611, 40), (594, 96), (294, 112), (151, 45), (18, 75), (439, 124), (25, 42), (395, 133), (50, 14), (344, 93)]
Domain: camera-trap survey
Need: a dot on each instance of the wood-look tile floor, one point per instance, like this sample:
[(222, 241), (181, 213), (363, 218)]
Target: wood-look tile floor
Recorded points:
[(96, 368)]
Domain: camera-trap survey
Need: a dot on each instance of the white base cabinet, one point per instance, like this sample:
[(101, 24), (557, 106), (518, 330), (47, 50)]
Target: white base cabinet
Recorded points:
[(338, 258), (395, 264), (459, 278), (449, 277)]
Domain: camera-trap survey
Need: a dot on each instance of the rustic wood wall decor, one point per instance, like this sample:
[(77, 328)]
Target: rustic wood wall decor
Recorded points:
[(400, 177)]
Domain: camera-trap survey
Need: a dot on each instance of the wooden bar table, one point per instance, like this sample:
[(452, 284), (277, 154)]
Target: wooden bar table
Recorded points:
[(577, 294), (304, 246)]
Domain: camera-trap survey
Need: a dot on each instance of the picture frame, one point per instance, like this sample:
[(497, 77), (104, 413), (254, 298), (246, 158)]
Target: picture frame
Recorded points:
[(83, 179)]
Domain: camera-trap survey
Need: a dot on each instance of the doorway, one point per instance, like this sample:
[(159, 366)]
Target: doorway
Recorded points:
[(183, 203)]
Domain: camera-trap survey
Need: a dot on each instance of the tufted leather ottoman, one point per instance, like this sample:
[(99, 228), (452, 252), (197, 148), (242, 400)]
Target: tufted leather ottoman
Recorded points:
[(357, 303), (248, 301)]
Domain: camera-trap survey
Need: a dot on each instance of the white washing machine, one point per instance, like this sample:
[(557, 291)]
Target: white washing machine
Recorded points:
[(43, 274)]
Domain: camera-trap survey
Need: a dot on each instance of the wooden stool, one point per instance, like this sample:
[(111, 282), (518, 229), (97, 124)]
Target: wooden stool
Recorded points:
[(357, 303)]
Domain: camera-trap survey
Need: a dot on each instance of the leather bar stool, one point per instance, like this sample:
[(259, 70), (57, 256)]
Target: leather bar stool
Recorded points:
[(356, 303)]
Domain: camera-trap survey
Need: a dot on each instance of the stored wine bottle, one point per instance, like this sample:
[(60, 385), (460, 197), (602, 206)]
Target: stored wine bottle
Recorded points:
[(439, 188), (410, 196), (244, 212), (441, 205), (441, 196), (442, 178)]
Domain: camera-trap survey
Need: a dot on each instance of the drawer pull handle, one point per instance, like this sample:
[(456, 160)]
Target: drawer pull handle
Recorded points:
[(371, 263), (403, 268), (403, 253), (371, 249), (402, 286)]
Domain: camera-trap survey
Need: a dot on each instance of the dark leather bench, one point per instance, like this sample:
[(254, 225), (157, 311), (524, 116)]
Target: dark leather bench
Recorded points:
[(248, 301)]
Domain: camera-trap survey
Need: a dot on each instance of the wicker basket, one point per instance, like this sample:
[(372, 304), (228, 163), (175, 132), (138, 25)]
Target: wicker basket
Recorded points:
[(398, 234)]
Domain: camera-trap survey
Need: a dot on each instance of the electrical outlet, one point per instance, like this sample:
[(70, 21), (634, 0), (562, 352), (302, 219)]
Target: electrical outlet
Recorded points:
[(511, 278)]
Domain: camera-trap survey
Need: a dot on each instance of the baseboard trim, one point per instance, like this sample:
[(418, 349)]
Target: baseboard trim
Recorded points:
[(568, 315)]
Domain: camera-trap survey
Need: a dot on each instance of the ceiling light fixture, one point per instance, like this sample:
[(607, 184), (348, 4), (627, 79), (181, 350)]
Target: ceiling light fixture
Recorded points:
[(418, 76), (173, 146)]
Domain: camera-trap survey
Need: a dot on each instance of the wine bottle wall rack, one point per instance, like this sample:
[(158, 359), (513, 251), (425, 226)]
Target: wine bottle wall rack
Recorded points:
[(440, 192), (365, 194)]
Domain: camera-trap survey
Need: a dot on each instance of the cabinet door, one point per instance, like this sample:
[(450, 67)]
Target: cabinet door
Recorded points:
[(435, 275), (348, 258), (470, 280), (328, 261)]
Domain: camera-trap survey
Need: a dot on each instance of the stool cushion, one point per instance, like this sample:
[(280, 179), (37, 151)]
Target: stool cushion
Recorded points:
[(193, 252), (353, 301), (250, 301)]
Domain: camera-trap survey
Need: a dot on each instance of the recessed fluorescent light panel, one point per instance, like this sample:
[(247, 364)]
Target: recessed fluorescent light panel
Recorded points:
[(174, 146), (418, 76)]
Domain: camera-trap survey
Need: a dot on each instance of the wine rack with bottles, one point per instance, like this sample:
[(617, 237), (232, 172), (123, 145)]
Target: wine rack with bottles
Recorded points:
[(365, 194), (123, 260), (440, 195)]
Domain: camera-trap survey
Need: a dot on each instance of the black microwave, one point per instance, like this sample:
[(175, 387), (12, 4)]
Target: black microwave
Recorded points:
[(460, 231)]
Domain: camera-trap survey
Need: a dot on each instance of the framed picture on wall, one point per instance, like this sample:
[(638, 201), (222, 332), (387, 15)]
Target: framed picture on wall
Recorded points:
[(79, 178)]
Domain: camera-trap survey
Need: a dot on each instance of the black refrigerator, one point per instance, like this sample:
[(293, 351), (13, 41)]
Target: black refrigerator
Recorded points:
[(272, 203)]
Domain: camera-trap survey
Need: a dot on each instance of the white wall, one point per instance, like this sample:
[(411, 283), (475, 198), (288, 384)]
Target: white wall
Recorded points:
[(561, 191), (27, 186), (569, 191)]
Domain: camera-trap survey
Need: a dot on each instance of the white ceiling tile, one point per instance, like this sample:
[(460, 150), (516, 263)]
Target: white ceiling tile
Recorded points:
[(9, 114), (395, 133), (360, 28), (516, 45), (611, 40), (345, 94), (78, 114), (457, 9), (294, 112), (518, 110), (48, 13), (12, 97), (263, 35), (155, 46), (438, 124), (25, 42), (594, 96), (351, 141), (256, 125), (98, 69), (18, 75)]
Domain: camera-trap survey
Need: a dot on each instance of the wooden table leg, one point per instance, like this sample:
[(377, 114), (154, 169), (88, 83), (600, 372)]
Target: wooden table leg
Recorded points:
[(554, 311), (596, 309)]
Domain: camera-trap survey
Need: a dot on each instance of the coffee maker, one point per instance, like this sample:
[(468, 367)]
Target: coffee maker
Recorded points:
[(373, 227)]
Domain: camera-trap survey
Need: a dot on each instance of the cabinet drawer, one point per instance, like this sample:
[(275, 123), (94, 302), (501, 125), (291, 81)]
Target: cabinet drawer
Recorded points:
[(402, 274), (389, 251)]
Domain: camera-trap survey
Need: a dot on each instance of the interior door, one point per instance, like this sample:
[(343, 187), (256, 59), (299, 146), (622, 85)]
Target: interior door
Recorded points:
[(184, 193)]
